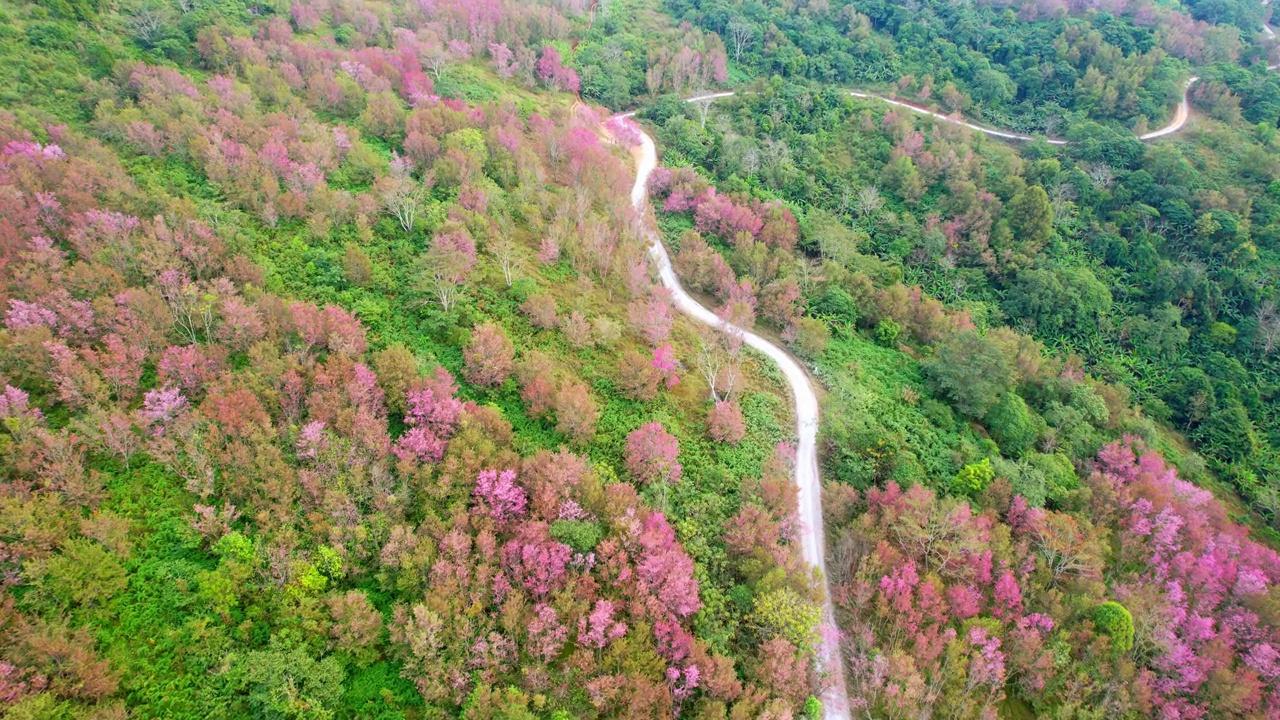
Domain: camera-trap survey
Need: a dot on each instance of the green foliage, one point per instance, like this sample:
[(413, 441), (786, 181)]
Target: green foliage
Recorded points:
[(1062, 300), (784, 613), (887, 332), (1013, 426), (280, 683), (1228, 433), (581, 535), (971, 372), (235, 546), (1058, 473), (487, 703), (973, 478), (83, 574), (1114, 620)]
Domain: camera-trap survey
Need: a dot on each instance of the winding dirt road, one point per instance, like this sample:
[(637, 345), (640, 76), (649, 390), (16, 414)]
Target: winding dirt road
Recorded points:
[(835, 701), (1180, 116)]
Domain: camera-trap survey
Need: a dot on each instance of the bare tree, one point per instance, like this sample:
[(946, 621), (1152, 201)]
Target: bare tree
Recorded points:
[(742, 34), (505, 253), (402, 198), (869, 201), (1100, 174), (808, 273), (147, 23), (710, 359), (436, 57), (1267, 336), (703, 106)]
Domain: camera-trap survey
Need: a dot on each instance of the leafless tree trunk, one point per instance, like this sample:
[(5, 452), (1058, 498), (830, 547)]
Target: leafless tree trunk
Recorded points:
[(504, 252), (741, 34), (1268, 333)]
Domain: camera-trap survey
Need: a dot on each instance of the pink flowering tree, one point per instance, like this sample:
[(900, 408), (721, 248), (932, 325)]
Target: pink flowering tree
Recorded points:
[(535, 561), (490, 356), (651, 456), (651, 317), (503, 500), (725, 423), (665, 569), (665, 362), (160, 408), (553, 73), (432, 416), (447, 265), (599, 628)]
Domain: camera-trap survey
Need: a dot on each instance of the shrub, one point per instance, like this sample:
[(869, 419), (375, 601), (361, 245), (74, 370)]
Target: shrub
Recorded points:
[(581, 535), (973, 478), (887, 332), (1115, 621)]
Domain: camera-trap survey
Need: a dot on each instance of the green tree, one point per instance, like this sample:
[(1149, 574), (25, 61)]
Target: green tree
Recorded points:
[(1013, 426), (784, 613), (1114, 620), (1228, 433), (1065, 299), (489, 703), (280, 683), (1189, 394), (581, 535), (84, 573), (1030, 221), (973, 478), (887, 332), (971, 372)]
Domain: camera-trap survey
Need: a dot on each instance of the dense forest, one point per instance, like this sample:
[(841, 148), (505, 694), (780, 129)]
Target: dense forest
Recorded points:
[(336, 380)]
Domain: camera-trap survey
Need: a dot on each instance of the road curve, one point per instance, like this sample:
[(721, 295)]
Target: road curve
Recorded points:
[(954, 121), (835, 701), (1180, 116)]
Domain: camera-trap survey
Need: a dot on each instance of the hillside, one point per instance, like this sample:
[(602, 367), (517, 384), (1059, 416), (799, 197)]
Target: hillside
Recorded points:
[(341, 377)]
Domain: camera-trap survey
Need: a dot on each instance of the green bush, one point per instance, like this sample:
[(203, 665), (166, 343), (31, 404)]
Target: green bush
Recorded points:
[(1114, 620), (973, 478), (887, 332), (581, 535)]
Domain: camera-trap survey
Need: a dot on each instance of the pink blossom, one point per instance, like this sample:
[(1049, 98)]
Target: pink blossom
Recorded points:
[(534, 560), (986, 665), (651, 454), (419, 444), (161, 406), (1007, 596), (665, 569), (23, 315), (964, 601), (547, 634), (599, 629), (311, 440), (505, 499)]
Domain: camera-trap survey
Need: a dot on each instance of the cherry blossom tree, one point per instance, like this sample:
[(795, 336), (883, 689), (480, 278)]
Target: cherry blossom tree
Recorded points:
[(490, 356), (446, 266), (651, 317), (504, 499), (552, 71), (432, 417), (652, 454), (665, 569), (725, 423), (576, 411)]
